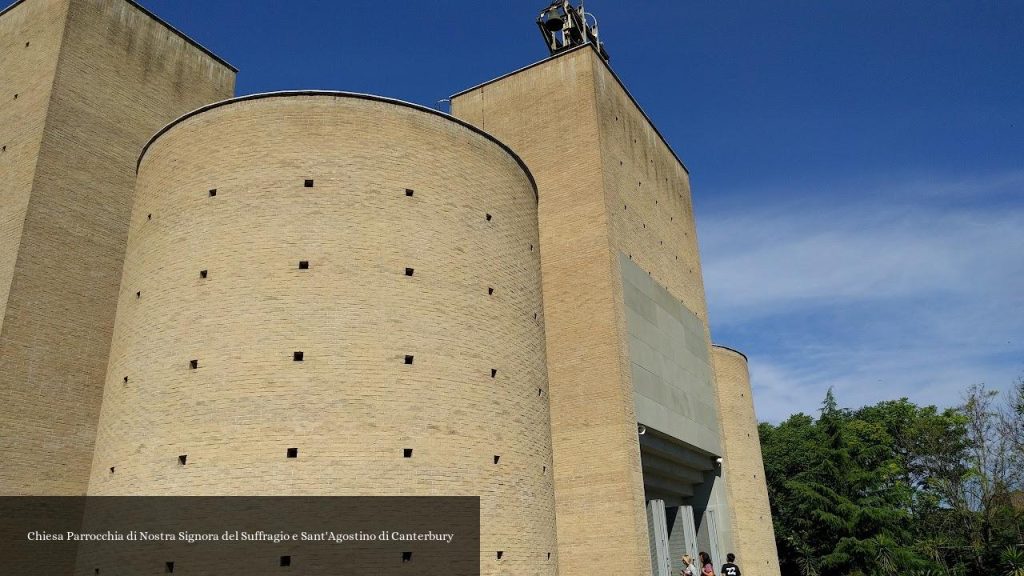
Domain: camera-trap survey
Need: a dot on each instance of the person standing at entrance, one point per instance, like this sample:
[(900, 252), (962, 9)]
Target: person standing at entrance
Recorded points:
[(729, 568), (707, 568), (688, 568)]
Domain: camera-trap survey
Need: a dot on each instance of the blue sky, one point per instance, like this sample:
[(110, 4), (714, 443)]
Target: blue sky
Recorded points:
[(857, 167)]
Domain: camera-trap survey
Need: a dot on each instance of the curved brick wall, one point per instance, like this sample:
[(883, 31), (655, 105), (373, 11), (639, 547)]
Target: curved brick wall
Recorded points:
[(420, 238), (753, 534)]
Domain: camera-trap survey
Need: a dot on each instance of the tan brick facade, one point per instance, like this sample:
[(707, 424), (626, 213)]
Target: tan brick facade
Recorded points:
[(548, 114), (95, 79), (753, 534), (609, 185), (419, 236), (355, 278)]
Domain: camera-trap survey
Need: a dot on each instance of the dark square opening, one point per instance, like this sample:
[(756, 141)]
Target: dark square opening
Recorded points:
[(112, 469), (488, 217), (286, 560), (408, 191), (490, 291), (496, 458), (213, 192), (407, 453), (499, 554), (409, 271), (125, 379), (169, 567), (308, 183), (406, 556), (297, 356), (494, 372), (183, 459), (408, 359), (293, 453), (138, 295), (193, 364), (303, 264), (203, 273)]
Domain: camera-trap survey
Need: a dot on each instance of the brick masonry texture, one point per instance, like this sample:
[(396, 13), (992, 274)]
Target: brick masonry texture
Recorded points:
[(609, 184), (753, 534), (469, 315), (95, 79)]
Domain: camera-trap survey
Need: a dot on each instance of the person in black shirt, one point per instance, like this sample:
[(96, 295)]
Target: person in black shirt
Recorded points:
[(730, 569)]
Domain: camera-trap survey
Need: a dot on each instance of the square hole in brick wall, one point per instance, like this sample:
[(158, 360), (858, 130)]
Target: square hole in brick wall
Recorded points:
[(168, 567), (409, 271), (407, 453), (303, 264), (499, 554), (308, 183), (213, 192), (488, 216), (406, 556), (297, 356), (409, 191), (125, 379), (408, 359), (183, 459), (293, 453), (490, 291), (496, 458), (494, 372), (193, 364), (204, 273), (286, 560)]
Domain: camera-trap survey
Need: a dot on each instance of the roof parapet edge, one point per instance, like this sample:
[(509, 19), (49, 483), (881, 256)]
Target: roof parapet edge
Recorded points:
[(340, 94), (745, 359), (610, 71), (160, 21)]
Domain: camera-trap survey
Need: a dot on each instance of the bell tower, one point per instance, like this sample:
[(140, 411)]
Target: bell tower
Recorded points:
[(564, 26), (635, 422), (654, 438)]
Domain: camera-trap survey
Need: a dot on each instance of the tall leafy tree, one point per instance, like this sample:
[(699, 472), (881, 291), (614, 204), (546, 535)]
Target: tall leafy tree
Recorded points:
[(895, 488)]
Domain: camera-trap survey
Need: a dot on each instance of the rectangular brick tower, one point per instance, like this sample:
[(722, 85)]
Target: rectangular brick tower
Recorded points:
[(625, 317), (85, 83)]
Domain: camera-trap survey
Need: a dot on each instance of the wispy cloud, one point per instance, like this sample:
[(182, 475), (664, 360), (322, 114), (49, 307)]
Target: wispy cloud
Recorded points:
[(881, 291)]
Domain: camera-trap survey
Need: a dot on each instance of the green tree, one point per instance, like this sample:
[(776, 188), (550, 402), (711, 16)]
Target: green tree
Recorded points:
[(842, 505), (895, 488)]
